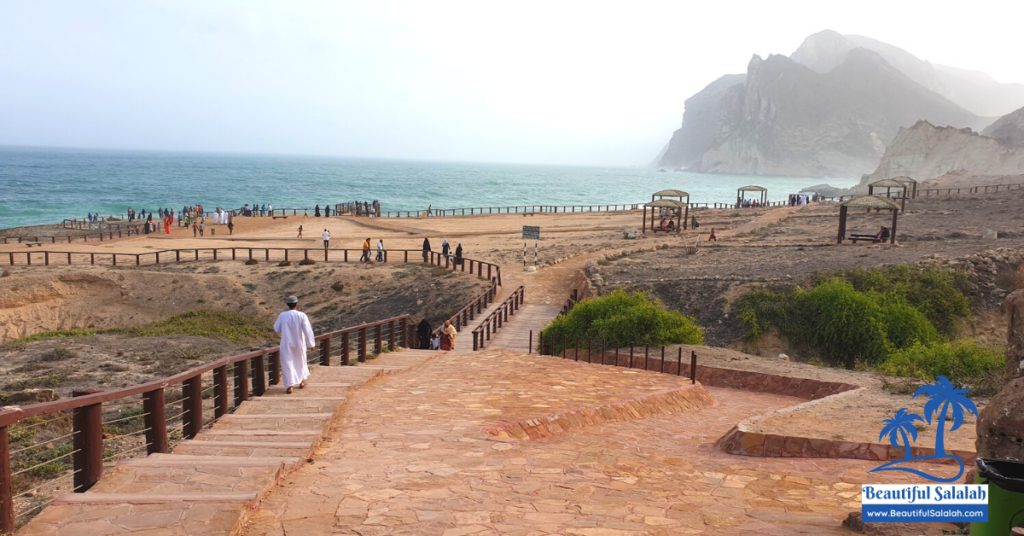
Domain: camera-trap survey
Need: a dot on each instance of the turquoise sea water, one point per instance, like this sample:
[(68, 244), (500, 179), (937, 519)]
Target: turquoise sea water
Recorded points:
[(41, 186)]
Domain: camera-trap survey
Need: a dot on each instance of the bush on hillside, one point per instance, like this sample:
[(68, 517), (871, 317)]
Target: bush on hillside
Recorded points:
[(860, 316), (965, 362), (626, 319)]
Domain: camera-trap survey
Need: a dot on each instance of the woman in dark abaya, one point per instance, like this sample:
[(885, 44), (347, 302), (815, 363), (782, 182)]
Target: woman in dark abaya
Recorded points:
[(426, 249), (458, 255), (423, 332), (317, 211), (327, 210)]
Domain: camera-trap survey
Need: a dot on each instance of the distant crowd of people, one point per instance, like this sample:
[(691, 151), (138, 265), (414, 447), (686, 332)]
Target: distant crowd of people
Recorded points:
[(258, 210)]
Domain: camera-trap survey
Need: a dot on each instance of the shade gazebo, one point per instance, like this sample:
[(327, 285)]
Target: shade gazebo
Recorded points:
[(889, 184), (741, 194), (868, 202), (676, 195), (677, 206), (908, 183)]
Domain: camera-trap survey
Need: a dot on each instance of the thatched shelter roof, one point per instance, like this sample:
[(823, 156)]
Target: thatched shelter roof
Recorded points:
[(904, 180), (871, 201), (753, 188), (672, 193), (887, 183), (666, 203)]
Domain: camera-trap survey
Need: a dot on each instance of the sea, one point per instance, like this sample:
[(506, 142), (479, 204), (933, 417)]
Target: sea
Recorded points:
[(43, 186)]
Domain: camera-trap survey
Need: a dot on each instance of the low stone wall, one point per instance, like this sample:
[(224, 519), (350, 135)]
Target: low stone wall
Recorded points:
[(679, 365), (656, 404), (740, 440)]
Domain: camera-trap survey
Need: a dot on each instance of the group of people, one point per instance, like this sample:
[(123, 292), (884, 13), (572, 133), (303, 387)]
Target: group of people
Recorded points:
[(798, 200), (366, 251), (442, 340), (446, 251), (92, 218), (747, 203), (257, 209)]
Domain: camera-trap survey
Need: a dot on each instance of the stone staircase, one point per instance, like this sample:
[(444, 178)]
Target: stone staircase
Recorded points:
[(209, 484)]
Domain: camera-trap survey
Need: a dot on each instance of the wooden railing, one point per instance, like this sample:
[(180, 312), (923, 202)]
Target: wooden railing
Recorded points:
[(467, 314), (631, 360), (245, 254), (496, 320), (108, 234), (251, 373)]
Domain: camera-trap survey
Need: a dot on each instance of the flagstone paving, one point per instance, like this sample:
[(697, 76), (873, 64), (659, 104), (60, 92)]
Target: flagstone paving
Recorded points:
[(410, 455)]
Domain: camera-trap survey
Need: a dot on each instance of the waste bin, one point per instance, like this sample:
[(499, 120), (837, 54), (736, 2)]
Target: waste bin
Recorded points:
[(1005, 479)]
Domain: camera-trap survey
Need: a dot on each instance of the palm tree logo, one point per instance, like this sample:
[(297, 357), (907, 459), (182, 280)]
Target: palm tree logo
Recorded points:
[(943, 398), (901, 424)]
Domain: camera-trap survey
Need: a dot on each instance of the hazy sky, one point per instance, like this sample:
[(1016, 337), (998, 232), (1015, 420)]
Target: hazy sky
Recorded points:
[(537, 82)]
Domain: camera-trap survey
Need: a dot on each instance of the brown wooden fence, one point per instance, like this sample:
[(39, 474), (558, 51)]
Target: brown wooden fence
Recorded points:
[(110, 233), (250, 374), (497, 319), (168, 256)]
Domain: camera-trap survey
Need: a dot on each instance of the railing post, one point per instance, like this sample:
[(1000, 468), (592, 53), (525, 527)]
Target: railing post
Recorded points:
[(192, 418), (693, 366), (344, 348), (241, 370), (529, 349), (275, 368), (154, 407), (378, 336), (87, 460), (679, 363), (259, 374), (391, 338), (361, 355), (663, 359), (6, 490), (220, 391), (325, 352)]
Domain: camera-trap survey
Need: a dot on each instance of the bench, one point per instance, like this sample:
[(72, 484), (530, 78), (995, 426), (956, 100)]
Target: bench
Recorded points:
[(30, 244), (866, 238), (525, 214), (281, 217), (663, 230)]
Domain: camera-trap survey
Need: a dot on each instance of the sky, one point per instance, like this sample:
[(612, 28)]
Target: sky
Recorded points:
[(548, 82)]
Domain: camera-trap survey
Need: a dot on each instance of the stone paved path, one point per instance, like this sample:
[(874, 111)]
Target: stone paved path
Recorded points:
[(210, 484), (409, 457), (515, 335)]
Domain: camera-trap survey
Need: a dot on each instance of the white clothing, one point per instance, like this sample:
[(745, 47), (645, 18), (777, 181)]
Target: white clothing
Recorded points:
[(327, 235), (380, 246), (296, 336)]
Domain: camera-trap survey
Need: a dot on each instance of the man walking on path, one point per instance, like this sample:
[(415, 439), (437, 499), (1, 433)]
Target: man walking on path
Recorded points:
[(296, 336), (327, 239), (380, 250), (300, 232), (366, 251)]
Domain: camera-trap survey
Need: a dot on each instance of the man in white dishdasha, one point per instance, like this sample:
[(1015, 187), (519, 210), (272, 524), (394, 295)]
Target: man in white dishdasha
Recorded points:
[(296, 336)]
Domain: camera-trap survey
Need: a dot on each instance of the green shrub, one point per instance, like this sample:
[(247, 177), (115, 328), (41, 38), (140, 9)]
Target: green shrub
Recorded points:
[(205, 323), (627, 319), (905, 326), (846, 324), (965, 362)]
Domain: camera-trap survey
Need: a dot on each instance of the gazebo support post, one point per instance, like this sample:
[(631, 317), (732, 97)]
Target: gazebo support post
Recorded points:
[(842, 225), (686, 216), (892, 235), (645, 220)]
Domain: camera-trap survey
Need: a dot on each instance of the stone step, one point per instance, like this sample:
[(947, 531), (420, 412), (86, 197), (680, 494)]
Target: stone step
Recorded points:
[(265, 436), (240, 448), (154, 498), (181, 460), (165, 480)]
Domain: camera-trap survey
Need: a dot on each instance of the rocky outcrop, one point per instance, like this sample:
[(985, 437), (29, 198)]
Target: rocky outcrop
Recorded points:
[(974, 91), (1015, 335), (787, 119), (1001, 423), (924, 151), (1008, 130)]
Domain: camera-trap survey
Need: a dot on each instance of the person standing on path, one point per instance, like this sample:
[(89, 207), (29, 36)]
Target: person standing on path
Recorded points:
[(426, 250), (195, 229), (202, 227), (458, 255), (231, 227), (380, 250), (296, 337), (300, 232), (327, 210), (445, 248), (327, 239), (712, 238), (423, 332), (448, 335), (366, 251)]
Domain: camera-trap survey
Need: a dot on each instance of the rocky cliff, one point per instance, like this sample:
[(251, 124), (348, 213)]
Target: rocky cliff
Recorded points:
[(1008, 130), (787, 119), (962, 156)]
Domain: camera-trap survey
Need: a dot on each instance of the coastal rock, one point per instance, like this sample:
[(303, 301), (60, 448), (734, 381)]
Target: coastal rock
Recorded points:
[(1015, 335), (1001, 424), (33, 396), (786, 118), (631, 233), (1008, 130)]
